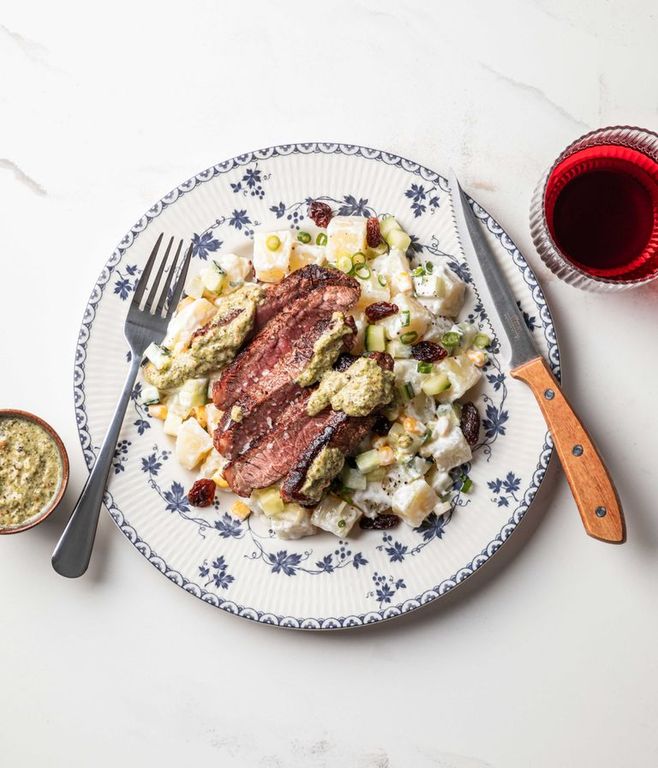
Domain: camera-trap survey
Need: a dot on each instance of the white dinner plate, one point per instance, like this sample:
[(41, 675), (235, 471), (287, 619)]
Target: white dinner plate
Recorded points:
[(319, 582)]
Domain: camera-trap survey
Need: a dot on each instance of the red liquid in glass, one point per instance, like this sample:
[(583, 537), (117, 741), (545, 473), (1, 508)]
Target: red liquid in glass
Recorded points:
[(602, 212)]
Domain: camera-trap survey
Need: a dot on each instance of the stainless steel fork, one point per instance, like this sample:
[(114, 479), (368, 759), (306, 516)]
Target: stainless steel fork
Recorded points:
[(143, 325)]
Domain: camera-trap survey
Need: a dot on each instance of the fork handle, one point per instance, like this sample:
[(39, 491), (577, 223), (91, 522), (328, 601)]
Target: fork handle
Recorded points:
[(591, 485), (73, 551)]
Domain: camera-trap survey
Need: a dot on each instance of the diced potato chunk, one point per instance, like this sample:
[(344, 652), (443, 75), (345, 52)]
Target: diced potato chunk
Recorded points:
[(192, 316), (414, 501), (335, 516), (213, 417), (303, 254), (172, 423), (272, 264), (412, 318), (445, 287), (346, 236), (448, 448), (462, 374), (293, 523), (372, 291), (193, 444), (213, 463), (394, 265), (236, 268)]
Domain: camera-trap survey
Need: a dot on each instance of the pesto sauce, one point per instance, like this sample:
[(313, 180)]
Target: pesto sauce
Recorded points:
[(30, 470), (217, 346), (324, 467), (356, 391), (325, 350)]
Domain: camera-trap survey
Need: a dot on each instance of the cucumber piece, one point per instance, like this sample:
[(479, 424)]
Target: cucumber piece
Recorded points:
[(353, 479), (399, 240), (387, 225), (193, 393), (158, 355), (377, 475), (367, 461), (398, 350), (435, 383), (406, 392), (149, 395), (375, 338)]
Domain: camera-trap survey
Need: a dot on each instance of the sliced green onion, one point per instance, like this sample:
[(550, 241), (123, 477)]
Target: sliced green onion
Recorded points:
[(425, 367), (341, 523), (321, 239), (358, 258), (406, 392), (381, 279), (409, 337), (344, 263), (481, 341), (450, 339), (362, 271), (304, 237), (406, 317), (273, 243), (429, 267), (467, 484), (419, 272), (409, 389)]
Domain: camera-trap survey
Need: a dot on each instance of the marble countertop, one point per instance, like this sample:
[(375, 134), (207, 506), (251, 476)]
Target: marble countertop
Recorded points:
[(546, 657)]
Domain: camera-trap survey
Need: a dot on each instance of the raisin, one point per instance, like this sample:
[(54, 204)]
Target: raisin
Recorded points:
[(383, 360), (470, 423), (381, 309), (344, 361), (321, 213), (381, 426), (373, 235), (380, 523), (428, 351), (202, 493)]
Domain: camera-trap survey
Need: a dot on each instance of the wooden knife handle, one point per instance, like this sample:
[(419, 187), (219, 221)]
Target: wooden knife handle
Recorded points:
[(592, 488)]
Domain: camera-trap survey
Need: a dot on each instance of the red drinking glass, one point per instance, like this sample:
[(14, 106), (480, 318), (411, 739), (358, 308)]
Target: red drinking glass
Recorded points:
[(594, 214)]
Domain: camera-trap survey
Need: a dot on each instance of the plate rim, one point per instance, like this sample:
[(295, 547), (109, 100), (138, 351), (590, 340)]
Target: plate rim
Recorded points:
[(330, 623)]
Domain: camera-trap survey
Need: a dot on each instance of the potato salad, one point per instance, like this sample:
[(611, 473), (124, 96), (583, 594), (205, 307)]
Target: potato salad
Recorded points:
[(406, 445)]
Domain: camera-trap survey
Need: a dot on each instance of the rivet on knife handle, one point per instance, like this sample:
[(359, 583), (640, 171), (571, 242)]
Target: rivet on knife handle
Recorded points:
[(592, 488)]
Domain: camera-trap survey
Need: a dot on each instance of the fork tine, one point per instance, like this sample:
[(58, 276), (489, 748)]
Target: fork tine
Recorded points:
[(180, 283), (144, 278), (156, 283), (168, 281)]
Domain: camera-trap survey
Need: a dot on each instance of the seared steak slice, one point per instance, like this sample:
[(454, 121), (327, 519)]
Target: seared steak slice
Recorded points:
[(295, 440), (298, 285), (341, 432), (262, 404), (282, 333), (276, 452)]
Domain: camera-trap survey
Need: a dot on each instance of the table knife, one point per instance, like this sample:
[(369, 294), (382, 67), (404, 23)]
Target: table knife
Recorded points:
[(590, 482)]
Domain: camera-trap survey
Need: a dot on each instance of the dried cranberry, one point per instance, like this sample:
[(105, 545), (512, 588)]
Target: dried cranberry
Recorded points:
[(380, 310), (428, 351), (381, 426), (202, 493), (373, 235), (380, 523), (470, 423), (321, 213)]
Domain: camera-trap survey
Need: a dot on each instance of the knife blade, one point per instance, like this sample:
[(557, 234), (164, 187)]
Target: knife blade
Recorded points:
[(589, 480)]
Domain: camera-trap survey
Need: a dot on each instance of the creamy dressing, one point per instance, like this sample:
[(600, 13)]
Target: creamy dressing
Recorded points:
[(30, 470)]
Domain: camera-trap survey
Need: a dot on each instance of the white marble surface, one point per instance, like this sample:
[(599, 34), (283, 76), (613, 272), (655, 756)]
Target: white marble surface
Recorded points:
[(547, 657)]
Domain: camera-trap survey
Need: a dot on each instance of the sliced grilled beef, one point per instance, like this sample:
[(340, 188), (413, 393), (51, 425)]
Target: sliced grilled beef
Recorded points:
[(339, 431), (298, 285), (294, 441), (262, 403), (320, 297)]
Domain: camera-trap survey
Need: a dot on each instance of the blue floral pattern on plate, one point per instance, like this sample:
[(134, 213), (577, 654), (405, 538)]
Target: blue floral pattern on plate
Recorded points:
[(229, 549)]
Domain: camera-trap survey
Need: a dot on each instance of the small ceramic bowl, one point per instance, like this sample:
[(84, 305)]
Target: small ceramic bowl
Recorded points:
[(36, 519)]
